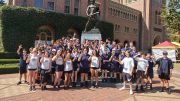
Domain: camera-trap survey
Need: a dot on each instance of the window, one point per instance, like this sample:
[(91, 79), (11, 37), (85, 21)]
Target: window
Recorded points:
[(24, 3), (51, 5), (67, 6), (126, 29), (38, 3), (156, 17), (76, 7)]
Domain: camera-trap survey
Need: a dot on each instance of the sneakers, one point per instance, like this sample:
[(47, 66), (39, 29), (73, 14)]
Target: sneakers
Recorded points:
[(86, 84), (136, 88), (122, 88), (30, 89), (19, 83), (131, 92), (33, 88), (142, 89), (162, 89), (168, 90), (151, 86)]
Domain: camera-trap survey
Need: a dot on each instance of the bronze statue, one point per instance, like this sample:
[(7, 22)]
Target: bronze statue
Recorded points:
[(93, 13)]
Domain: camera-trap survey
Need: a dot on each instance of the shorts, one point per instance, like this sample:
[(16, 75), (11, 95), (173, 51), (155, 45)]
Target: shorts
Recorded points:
[(59, 68), (69, 72), (22, 70), (44, 75), (75, 68), (53, 70), (150, 74), (32, 69), (164, 76), (94, 68), (140, 74), (127, 77), (84, 70)]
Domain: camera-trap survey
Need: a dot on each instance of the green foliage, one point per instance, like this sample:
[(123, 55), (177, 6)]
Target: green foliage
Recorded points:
[(171, 17), (20, 25), (8, 55)]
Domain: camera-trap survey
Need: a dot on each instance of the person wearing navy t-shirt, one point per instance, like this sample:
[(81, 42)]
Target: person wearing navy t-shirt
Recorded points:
[(165, 67), (84, 67), (150, 72), (105, 63), (22, 63)]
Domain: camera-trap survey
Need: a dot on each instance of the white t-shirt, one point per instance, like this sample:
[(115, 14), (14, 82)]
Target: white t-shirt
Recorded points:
[(68, 66), (142, 64), (128, 64), (95, 62), (59, 61), (33, 64), (45, 64)]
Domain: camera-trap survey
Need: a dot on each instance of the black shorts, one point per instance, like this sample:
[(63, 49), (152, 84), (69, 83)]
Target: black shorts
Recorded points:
[(22, 70), (104, 66), (94, 68), (32, 69), (59, 68), (53, 70), (140, 74), (69, 72), (127, 77), (150, 74), (164, 76), (75, 68), (84, 70), (44, 75)]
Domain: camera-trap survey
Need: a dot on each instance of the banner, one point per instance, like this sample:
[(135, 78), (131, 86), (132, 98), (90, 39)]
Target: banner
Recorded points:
[(158, 53)]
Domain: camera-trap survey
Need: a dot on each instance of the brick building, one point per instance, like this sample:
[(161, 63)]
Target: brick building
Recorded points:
[(134, 20)]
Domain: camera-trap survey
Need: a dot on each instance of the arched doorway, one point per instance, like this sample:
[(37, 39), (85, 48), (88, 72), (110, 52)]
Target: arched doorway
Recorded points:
[(73, 32), (45, 35), (157, 40)]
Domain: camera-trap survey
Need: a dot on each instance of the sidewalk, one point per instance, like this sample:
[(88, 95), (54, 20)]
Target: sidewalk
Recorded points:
[(9, 91)]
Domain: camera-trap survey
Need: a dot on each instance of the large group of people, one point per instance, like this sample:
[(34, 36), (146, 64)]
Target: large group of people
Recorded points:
[(68, 63)]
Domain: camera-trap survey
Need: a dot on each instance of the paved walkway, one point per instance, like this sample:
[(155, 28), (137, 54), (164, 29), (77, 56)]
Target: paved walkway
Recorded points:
[(9, 91)]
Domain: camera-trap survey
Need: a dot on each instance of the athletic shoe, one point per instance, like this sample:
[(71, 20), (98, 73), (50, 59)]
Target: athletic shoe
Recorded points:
[(131, 92), (136, 88), (30, 89), (168, 90), (162, 89), (33, 88), (19, 83), (142, 89), (122, 88), (151, 87)]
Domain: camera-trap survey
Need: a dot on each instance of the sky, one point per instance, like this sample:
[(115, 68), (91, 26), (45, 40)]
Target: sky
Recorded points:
[(5, 1)]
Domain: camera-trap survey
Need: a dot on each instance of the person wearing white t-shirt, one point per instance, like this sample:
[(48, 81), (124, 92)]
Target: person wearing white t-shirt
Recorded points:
[(94, 66), (45, 69), (33, 61), (142, 67), (128, 63)]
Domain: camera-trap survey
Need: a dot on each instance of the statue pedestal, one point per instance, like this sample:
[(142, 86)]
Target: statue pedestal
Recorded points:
[(93, 34)]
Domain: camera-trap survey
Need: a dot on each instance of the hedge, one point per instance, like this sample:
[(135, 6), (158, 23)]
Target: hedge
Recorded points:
[(20, 25), (8, 55)]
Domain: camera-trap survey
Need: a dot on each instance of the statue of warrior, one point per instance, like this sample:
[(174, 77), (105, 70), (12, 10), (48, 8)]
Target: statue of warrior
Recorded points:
[(93, 13)]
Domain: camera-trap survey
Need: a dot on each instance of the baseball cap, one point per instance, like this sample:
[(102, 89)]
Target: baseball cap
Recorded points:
[(54, 50), (165, 52)]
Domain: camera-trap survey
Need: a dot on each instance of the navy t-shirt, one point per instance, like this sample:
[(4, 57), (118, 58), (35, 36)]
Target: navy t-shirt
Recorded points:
[(22, 62), (151, 64), (84, 63)]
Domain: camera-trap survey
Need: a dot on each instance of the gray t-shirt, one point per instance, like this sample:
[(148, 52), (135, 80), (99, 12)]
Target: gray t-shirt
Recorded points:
[(142, 64)]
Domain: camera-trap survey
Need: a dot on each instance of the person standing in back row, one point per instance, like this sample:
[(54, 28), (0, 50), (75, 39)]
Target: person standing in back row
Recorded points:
[(165, 67)]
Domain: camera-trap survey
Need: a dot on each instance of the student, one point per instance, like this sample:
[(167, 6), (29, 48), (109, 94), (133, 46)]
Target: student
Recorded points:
[(68, 68), (128, 63), (33, 61), (150, 72), (58, 58), (75, 56), (142, 67), (165, 67), (84, 67), (121, 66), (53, 66), (112, 60), (105, 62), (94, 66), (22, 63), (45, 69)]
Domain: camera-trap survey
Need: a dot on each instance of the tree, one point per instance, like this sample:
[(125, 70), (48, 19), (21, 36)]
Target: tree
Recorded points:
[(2, 2), (171, 18)]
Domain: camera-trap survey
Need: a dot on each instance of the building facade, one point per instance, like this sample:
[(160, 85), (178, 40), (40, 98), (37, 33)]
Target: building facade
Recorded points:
[(137, 21)]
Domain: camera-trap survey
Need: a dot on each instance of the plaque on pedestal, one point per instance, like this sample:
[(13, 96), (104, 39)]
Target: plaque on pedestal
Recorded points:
[(93, 34)]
